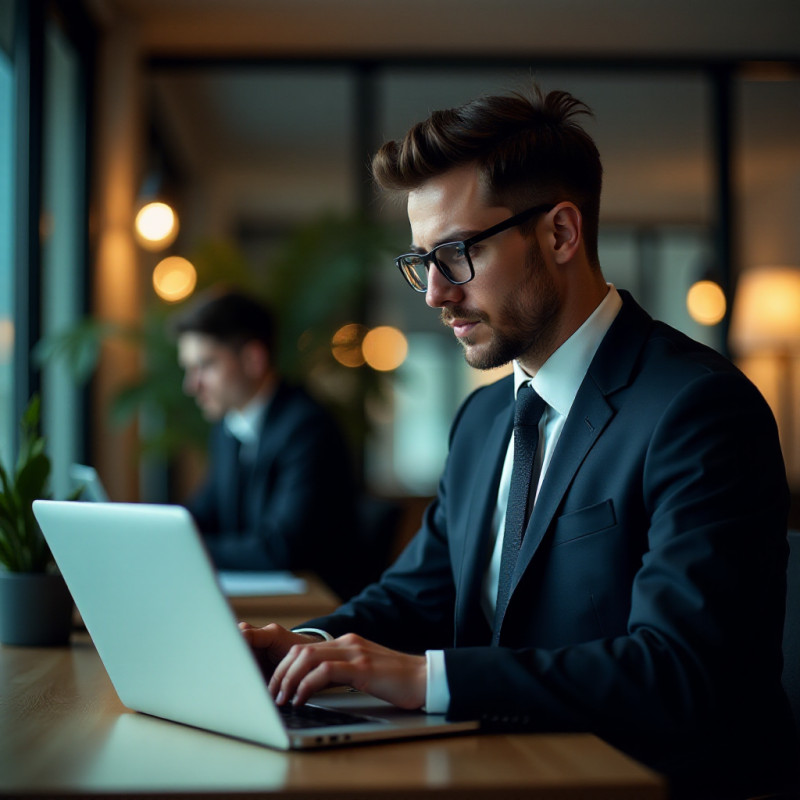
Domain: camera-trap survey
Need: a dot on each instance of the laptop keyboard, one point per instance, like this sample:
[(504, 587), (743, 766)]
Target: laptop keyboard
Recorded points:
[(295, 717)]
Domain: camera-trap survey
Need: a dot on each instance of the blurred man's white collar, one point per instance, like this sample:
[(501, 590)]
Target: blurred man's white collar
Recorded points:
[(245, 424)]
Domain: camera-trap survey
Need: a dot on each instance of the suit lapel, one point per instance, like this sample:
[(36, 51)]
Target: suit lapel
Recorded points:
[(587, 419), (246, 504), (228, 466), (268, 443), (610, 370), (469, 615)]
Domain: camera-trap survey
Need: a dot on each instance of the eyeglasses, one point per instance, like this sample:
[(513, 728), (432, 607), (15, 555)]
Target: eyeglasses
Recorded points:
[(452, 259)]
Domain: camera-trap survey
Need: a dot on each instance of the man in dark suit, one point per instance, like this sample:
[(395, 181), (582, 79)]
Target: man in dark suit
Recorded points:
[(280, 491), (644, 598)]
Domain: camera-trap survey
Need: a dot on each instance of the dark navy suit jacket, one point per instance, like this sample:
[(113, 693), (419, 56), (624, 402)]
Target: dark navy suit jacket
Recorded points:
[(648, 597), (293, 507)]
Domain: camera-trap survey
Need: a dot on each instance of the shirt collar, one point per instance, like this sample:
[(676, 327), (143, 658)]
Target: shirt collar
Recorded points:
[(559, 378), (245, 424)]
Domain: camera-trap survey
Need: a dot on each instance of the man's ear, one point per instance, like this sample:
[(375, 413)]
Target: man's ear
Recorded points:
[(567, 231), (255, 359)]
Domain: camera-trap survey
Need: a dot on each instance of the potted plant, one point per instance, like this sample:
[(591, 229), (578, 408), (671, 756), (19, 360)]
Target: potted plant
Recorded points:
[(35, 604)]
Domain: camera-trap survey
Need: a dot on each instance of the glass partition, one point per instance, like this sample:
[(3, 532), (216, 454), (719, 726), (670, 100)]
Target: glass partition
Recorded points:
[(768, 188), (62, 232), (7, 178)]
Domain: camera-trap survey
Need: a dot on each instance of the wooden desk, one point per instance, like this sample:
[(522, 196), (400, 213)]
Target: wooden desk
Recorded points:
[(64, 732)]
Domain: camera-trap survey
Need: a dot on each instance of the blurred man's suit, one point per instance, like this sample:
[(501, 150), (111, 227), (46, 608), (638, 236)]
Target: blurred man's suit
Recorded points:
[(287, 504)]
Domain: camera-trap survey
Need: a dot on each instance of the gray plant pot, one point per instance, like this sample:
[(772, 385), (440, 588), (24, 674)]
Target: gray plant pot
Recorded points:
[(35, 609)]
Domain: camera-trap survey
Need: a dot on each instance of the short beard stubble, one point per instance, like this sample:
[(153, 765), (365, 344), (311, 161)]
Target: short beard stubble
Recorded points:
[(528, 316)]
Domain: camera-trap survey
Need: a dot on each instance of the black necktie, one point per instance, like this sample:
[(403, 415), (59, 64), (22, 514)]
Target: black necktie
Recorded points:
[(528, 412)]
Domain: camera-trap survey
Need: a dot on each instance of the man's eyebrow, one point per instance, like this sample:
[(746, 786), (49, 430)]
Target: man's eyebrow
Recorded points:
[(456, 236)]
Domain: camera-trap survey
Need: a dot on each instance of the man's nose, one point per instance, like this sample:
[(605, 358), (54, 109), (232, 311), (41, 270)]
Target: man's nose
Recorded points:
[(440, 291)]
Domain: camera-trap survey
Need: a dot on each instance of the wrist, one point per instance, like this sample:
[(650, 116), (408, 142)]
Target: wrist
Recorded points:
[(437, 690), (313, 634)]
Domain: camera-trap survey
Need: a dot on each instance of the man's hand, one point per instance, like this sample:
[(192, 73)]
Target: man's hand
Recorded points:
[(309, 666), (271, 643)]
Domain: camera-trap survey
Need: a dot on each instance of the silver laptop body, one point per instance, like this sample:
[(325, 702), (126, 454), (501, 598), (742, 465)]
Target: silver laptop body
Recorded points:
[(151, 601)]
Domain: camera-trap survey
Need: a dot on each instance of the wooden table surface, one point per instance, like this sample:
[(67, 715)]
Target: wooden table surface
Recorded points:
[(64, 732)]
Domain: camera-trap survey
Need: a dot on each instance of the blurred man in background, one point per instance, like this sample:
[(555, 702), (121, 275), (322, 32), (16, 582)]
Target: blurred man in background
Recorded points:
[(280, 490)]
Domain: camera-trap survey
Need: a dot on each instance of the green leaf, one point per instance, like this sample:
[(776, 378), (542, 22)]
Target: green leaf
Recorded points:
[(6, 553), (78, 346), (9, 499), (22, 546), (32, 478)]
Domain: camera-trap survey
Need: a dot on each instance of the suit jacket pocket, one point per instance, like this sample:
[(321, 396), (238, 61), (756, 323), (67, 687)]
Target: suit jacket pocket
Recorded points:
[(584, 522)]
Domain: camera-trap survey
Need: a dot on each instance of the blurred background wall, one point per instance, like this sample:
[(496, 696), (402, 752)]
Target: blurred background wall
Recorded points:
[(255, 120)]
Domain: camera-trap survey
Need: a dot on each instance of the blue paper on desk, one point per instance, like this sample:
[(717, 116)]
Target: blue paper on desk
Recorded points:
[(236, 583)]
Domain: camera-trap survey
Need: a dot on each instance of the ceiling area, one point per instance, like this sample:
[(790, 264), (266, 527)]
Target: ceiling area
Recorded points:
[(753, 28)]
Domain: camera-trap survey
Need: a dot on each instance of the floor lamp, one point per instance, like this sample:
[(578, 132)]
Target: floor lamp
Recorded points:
[(766, 322)]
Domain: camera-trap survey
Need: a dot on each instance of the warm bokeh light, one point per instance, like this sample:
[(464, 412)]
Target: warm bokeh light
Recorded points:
[(6, 340), (346, 345), (385, 348), (174, 278), (766, 313), (156, 226), (706, 302)]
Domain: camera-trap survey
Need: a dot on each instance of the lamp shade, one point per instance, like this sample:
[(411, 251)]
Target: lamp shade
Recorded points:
[(766, 311)]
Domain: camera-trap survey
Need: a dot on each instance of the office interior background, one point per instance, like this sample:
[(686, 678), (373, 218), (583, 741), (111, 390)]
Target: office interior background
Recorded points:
[(255, 120)]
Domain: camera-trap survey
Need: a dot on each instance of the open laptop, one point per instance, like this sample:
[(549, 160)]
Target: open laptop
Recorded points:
[(234, 583), (86, 479), (152, 603)]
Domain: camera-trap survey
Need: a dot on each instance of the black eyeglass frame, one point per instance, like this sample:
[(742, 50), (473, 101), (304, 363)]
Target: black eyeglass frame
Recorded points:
[(411, 276)]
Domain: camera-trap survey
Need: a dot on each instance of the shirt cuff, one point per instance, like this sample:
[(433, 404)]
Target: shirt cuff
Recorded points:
[(437, 690), (324, 634)]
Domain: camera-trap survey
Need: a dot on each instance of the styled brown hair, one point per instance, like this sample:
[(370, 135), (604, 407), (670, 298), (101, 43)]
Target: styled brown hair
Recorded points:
[(229, 316), (528, 148)]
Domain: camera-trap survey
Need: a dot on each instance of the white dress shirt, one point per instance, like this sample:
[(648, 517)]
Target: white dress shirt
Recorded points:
[(245, 424)]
